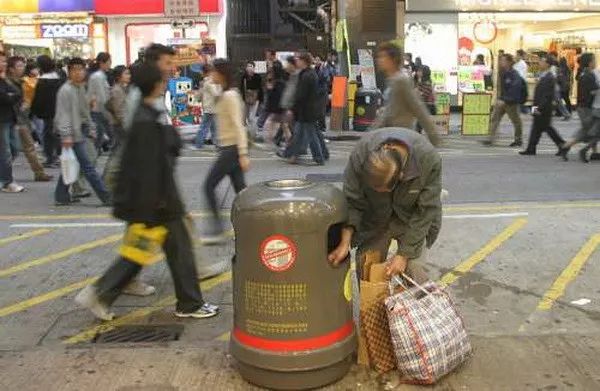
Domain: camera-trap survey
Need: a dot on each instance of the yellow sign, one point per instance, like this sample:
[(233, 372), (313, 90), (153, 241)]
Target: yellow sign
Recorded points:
[(19, 6), (477, 103), (143, 245), (476, 125)]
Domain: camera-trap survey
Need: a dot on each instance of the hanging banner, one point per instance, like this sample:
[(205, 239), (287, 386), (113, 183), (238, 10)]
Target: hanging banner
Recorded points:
[(129, 7), (367, 69)]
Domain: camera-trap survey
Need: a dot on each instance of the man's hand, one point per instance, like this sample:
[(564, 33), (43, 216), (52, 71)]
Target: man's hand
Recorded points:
[(338, 255), (341, 252), (244, 163), (67, 142), (396, 266)]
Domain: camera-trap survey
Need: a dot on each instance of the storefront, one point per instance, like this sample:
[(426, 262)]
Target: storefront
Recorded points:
[(448, 35), (135, 24), (61, 28)]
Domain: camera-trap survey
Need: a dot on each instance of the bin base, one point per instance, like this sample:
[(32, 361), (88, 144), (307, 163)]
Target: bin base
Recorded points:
[(298, 380)]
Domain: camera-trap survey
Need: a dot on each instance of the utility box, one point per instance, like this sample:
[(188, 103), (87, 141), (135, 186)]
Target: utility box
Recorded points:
[(293, 326)]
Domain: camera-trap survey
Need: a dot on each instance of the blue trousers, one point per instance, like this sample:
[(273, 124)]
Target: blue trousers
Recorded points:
[(306, 134), (6, 176), (208, 123)]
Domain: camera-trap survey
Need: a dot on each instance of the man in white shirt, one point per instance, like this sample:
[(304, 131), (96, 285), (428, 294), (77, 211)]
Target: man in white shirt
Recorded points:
[(521, 66)]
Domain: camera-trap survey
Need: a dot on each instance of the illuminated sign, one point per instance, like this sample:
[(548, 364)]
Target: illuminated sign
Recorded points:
[(65, 30), (502, 5)]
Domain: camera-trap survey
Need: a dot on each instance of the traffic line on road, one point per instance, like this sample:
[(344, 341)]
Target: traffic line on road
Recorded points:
[(23, 236), (482, 253), (26, 304), (557, 290), (90, 333), (486, 216), (60, 255)]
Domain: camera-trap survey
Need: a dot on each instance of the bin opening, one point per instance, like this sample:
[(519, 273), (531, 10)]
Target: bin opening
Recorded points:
[(289, 184), (334, 236)]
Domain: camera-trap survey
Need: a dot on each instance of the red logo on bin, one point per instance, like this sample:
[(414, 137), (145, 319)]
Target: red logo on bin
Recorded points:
[(278, 253)]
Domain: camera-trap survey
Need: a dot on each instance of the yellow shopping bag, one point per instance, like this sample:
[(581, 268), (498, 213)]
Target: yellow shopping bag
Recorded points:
[(143, 245)]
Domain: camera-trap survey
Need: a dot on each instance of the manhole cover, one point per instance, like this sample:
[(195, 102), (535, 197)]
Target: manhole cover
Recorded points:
[(326, 178), (140, 334)]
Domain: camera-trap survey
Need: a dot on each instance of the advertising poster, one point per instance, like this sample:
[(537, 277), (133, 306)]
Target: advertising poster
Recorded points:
[(471, 78), (476, 114), (367, 69), (438, 79)]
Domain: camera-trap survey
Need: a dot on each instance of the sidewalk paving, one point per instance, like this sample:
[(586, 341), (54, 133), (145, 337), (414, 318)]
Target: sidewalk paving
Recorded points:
[(551, 362)]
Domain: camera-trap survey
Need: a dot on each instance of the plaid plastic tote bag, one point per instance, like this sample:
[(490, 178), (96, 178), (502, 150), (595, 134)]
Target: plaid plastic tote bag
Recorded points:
[(427, 332)]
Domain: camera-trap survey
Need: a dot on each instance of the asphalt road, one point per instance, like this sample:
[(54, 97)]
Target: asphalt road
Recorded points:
[(519, 248)]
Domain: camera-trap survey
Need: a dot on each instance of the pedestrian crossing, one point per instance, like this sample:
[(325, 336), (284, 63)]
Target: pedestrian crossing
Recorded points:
[(476, 245)]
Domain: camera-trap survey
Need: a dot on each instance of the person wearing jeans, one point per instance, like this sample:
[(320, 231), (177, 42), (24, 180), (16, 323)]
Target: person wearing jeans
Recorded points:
[(9, 97), (99, 95), (210, 93), (43, 106), (75, 127), (306, 111), (233, 146)]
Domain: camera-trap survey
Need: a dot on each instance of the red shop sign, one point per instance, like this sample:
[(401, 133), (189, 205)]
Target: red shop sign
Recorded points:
[(140, 7)]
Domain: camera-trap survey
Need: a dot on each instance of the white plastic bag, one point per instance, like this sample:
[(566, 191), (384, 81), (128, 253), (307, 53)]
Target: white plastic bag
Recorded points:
[(69, 166)]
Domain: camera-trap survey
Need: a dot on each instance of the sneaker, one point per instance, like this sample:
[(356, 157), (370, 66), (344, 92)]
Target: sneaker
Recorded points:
[(206, 311), (564, 153), (67, 203), (194, 148), (516, 144), (43, 178), (527, 153), (88, 298), (13, 188), (139, 288)]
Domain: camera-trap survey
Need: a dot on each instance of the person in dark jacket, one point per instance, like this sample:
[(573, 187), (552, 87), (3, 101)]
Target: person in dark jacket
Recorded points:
[(43, 106), (306, 114), (147, 199), (275, 113), (586, 92), (323, 92), (509, 101), (252, 92), (9, 97), (564, 83), (393, 184), (543, 107)]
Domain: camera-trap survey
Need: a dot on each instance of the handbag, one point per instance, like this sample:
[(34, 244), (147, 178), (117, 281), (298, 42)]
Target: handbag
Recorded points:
[(428, 334), (143, 245)]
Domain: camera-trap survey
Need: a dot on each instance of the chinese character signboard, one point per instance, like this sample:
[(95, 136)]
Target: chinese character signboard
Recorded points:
[(502, 5), (175, 8), (476, 114)]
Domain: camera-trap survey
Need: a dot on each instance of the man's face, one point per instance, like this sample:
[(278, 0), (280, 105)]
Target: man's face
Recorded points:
[(318, 61), (19, 70), (166, 65), (77, 74), (544, 65), (385, 63), (504, 64), (250, 69), (301, 64)]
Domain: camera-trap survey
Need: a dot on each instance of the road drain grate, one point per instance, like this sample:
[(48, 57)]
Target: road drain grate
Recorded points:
[(325, 178), (140, 334)]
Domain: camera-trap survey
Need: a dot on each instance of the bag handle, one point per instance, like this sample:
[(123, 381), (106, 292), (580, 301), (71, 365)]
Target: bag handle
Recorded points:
[(398, 281)]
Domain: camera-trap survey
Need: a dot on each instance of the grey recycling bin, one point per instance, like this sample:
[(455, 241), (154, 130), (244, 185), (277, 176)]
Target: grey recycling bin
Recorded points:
[(293, 325)]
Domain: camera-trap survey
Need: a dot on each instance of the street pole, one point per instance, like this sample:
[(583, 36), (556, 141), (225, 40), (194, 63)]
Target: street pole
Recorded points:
[(339, 115)]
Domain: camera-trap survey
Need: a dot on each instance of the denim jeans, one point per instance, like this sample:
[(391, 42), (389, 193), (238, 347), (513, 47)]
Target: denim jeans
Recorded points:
[(102, 128), (61, 194), (208, 122), (6, 176), (306, 133)]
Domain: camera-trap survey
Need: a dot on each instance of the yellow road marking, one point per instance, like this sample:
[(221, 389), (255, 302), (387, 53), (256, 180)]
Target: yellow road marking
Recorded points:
[(483, 252), (23, 236), (24, 305), (557, 289), (63, 254), (447, 208), (224, 337), (142, 312)]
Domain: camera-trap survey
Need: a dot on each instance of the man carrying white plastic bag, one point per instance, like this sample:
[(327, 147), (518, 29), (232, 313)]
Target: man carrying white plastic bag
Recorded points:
[(74, 124), (69, 166)]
